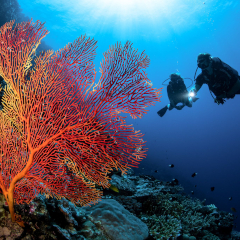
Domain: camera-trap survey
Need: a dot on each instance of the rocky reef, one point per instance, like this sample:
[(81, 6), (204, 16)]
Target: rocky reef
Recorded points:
[(142, 208)]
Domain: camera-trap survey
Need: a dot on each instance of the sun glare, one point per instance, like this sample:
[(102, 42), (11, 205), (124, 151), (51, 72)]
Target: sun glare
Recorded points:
[(128, 16), (134, 9), (123, 17)]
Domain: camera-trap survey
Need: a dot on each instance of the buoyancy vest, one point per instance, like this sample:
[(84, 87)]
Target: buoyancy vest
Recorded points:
[(222, 78)]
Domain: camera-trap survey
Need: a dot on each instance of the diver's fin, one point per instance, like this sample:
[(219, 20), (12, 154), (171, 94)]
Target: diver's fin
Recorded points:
[(195, 99), (162, 111)]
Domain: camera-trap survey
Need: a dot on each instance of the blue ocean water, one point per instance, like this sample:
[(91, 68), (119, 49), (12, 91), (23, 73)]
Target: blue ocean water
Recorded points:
[(203, 139)]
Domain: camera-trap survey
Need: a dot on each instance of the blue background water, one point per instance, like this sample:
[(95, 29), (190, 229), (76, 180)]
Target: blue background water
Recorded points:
[(203, 139)]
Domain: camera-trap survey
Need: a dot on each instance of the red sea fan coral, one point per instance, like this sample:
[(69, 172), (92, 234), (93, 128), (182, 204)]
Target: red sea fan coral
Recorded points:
[(61, 134)]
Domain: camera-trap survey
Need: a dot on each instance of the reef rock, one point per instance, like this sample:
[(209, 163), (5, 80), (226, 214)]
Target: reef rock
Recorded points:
[(117, 222)]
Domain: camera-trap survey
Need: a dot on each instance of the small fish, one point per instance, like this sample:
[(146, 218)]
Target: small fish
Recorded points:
[(233, 209), (156, 171), (192, 192), (212, 189), (230, 198), (195, 186), (113, 188), (171, 165), (194, 174)]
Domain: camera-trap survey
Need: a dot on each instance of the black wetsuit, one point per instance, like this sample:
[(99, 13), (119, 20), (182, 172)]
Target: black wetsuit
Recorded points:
[(222, 78), (177, 91)]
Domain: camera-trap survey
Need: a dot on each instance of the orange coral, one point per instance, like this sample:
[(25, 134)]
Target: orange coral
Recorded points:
[(59, 136)]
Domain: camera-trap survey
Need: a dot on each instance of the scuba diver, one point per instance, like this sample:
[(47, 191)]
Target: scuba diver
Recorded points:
[(221, 79), (177, 93)]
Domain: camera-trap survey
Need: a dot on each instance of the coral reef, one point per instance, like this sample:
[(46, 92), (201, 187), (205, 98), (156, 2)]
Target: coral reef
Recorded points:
[(164, 227), (144, 209)]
